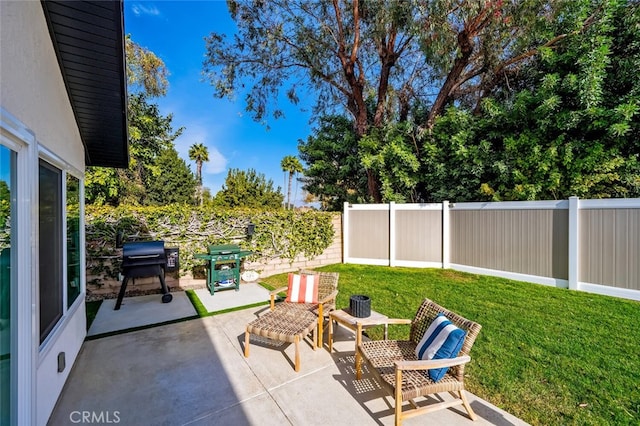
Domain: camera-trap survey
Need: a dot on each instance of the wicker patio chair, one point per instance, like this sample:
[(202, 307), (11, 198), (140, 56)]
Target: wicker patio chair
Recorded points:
[(404, 376), (327, 293)]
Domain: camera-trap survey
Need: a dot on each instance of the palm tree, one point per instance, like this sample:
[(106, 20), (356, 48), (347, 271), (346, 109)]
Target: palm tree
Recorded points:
[(199, 153), (290, 165)]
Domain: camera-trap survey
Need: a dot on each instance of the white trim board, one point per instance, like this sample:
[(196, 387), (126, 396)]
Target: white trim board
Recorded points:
[(416, 264), (365, 261), (414, 207), (610, 203), (513, 205), (548, 281), (624, 293), (367, 206)]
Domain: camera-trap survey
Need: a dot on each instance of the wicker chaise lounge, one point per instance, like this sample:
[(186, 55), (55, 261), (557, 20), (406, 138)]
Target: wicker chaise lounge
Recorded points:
[(403, 375), (283, 326), (291, 322)]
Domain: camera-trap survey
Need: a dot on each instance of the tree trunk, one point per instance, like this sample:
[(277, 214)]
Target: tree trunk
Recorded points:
[(465, 42), (295, 192), (199, 173), (388, 57), (289, 192), (383, 87), (355, 104)]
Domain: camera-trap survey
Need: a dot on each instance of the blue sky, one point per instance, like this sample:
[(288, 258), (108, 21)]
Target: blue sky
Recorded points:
[(175, 31)]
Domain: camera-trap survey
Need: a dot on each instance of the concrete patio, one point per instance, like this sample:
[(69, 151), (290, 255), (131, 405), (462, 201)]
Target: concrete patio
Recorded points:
[(194, 373)]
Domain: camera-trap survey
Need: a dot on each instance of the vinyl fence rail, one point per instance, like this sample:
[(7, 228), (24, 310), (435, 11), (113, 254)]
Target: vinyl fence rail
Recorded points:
[(588, 245)]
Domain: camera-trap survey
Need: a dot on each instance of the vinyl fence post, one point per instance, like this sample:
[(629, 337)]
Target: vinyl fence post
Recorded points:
[(446, 261), (574, 243), (345, 233), (392, 233)]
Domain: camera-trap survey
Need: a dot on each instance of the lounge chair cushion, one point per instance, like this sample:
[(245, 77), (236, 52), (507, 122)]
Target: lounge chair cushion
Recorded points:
[(441, 340), (303, 288)]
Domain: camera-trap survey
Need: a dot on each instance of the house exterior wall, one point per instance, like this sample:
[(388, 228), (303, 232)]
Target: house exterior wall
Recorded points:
[(49, 382), (33, 89), (32, 93)]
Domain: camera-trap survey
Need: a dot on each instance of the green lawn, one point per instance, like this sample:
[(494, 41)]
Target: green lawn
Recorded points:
[(92, 311), (549, 356)]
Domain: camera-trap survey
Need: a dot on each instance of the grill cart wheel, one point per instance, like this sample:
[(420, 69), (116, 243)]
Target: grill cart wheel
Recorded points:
[(166, 298)]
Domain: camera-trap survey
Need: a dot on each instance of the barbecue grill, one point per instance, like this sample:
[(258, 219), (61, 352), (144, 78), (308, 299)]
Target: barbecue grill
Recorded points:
[(143, 259), (223, 269)]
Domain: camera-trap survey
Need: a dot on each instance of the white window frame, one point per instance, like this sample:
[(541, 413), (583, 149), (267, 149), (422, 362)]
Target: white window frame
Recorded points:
[(81, 230), (20, 139), (65, 169)]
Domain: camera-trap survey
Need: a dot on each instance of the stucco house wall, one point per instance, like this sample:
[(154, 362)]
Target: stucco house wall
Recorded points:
[(33, 93), (33, 89)]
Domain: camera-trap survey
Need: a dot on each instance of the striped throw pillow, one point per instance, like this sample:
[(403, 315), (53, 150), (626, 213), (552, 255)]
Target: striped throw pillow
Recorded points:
[(303, 288), (441, 340)]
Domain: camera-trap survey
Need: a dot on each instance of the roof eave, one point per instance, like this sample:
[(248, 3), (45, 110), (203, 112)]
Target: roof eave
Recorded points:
[(88, 38)]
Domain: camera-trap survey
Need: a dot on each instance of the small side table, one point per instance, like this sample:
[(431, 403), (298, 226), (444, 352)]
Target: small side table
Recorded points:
[(342, 316)]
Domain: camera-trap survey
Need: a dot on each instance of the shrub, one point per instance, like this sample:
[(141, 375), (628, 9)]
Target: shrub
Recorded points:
[(278, 234)]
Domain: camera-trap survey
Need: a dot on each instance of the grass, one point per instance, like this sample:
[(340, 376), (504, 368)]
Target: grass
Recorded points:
[(202, 312), (546, 355), (92, 311)]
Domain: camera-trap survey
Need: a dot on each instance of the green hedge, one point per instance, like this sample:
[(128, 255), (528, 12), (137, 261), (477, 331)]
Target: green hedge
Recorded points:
[(281, 234)]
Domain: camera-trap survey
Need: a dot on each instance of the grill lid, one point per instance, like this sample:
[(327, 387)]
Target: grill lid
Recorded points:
[(140, 253), (224, 249)]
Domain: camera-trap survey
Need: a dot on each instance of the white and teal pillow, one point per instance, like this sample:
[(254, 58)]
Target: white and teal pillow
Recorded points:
[(441, 340)]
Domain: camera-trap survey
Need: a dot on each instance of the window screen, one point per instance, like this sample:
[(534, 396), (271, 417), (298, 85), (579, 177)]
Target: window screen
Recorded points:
[(50, 244)]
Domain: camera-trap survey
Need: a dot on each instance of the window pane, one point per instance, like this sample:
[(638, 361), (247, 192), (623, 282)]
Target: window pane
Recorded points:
[(73, 239), (50, 243), (7, 215)]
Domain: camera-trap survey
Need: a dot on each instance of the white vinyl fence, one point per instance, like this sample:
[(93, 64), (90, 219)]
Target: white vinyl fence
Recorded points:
[(589, 245)]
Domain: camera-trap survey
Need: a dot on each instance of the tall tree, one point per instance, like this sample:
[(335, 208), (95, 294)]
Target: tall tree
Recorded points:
[(378, 58), (346, 52), (474, 46), (565, 125), (291, 166), (248, 189), (572, 128), (334, 172), (145, 71), (173, 182), (149, 133), (200, 154)]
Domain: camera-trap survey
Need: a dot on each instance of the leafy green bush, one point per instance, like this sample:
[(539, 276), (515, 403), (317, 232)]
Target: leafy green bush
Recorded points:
[(278, 234)]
